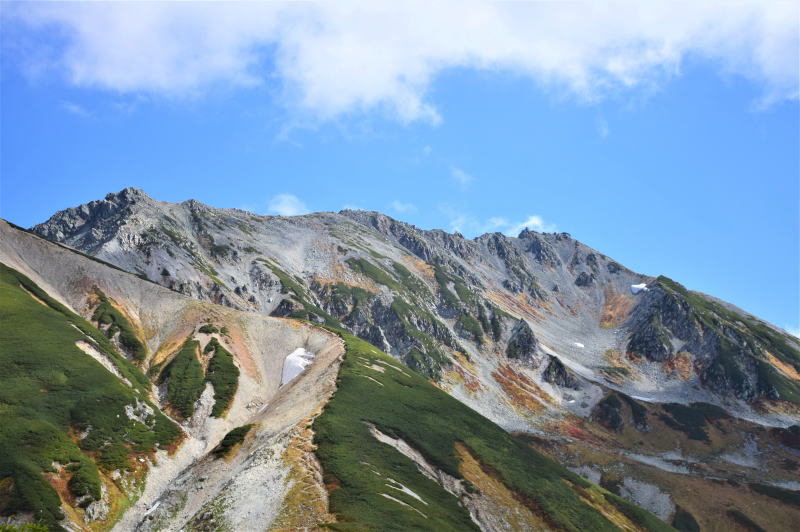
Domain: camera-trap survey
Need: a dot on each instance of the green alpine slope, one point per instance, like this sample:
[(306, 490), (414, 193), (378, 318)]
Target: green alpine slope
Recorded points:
[(373, 486), (62, 412)]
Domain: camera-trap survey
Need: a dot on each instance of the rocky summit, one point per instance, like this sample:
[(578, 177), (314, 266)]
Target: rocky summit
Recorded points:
[(436, 383)]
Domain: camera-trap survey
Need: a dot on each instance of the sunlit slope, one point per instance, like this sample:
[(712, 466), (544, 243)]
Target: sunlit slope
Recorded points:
[(381, 406), (51, 391)]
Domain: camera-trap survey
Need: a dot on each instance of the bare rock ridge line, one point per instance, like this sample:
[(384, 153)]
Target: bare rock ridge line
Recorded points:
[(424, 296)]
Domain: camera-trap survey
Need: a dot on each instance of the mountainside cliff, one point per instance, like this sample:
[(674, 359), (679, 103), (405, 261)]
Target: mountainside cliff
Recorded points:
[(142, 409), (454, 309), (650, 390)]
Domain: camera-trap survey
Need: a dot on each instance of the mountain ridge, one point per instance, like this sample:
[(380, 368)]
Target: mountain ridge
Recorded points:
[(547, 280), (575, 355)]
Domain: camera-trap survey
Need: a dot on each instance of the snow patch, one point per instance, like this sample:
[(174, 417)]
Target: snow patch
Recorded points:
[(400, 487), (96, 354), (294, 364), (636, 288), (404, 504), (152, 508), (379, 383), (578, 344)]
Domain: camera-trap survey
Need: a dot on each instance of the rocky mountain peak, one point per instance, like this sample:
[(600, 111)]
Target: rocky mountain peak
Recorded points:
[(127, 195), (422, 294)]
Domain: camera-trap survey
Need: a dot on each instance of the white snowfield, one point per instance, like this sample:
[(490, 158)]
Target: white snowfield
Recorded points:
[(636, 288), (295, 363), (578, 344)]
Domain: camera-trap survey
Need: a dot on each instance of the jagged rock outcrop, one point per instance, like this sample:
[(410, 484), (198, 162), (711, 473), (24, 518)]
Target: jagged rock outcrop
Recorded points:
[(425, 296), (557, 373), (732, 350), (522, 344)]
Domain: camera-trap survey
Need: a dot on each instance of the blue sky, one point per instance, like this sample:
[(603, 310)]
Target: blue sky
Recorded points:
[(675, 151)]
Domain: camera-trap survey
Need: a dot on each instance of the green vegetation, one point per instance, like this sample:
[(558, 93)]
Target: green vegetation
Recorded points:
[(357, 467), (744, 521), (471, 325), (639, 516), (781, 494), (425, 357), (185, 379), (483, 319), (497, 326), (615, 372), (310, 311), (757, 336), (684, 521), (48, 387), (231, 439), (220, 251), (208, 329), (223, 375), (443, 280), (411, 282), (210, 271), (375, 273), (692, 418), (608, 412), (343, 294), (376, 254), (107, 314)]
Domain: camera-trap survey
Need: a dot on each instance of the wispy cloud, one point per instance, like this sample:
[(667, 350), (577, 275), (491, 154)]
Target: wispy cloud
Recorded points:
[(286, 205), (534, 223), (399, 206), (333, 59), (470, 225), (460, 176), (602, 128), (75, 109), (426, 151)]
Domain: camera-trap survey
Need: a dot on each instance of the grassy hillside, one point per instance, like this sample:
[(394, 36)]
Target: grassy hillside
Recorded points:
[(50, 392), (360, 471)]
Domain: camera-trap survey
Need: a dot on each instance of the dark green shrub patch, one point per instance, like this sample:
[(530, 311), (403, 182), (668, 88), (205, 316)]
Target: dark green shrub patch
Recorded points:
[(232, 438), (471, 325), (375, 273), (107, 314), (781, 494), (184, 377), (223, 375)]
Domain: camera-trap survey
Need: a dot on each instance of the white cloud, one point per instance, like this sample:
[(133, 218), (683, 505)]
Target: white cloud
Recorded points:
[(534, 223), (75, 109), (399, 206), (337, 58), (471, 225), (602, 128), (461, 177), (287, 205)]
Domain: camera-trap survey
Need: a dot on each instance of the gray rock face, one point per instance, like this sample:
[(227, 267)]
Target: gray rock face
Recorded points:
[(730, 347), (557, 373), (425, 296), (522, 344)]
